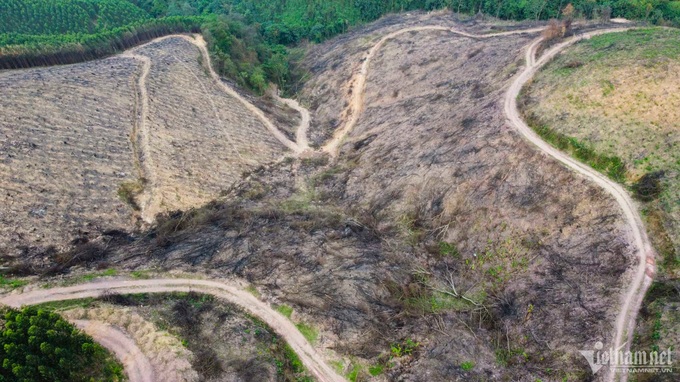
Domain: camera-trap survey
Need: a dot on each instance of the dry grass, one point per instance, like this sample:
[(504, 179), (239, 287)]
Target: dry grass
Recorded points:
[(64, 150), (618, 94), (170, 359)]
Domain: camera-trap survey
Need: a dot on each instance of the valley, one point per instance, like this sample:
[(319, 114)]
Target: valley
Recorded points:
[(398, 221)]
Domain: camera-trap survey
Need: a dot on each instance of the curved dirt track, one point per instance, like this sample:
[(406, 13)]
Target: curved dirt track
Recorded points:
[(355, 107), (642, 279), (301, 131), (150, 206), (200, 43), (137, 365), (632, 300), (233, 293)]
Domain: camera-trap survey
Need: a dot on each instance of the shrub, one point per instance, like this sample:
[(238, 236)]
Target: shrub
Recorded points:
[(649, 186), (553, 31), (128, 192), (467, 365)]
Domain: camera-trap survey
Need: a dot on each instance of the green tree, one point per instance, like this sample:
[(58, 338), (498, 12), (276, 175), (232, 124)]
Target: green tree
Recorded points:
[(37, 345)]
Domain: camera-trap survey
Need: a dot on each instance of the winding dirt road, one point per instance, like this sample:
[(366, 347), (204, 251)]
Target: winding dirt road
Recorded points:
[(234, 293), (631, 300), (642, 279), (356, 103), (301, 132), (150, 205), (137, 366), (644, 273)]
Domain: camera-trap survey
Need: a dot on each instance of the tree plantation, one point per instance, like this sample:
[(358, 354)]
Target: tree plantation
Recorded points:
[(249, 38)]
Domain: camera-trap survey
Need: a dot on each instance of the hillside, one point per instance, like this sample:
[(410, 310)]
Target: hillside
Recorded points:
[(436, 245), (614, 94), (399, 218), (119, 139)]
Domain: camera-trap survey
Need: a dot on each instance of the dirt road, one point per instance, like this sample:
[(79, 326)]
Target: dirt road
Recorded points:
[(149, 204), (645, 269), (232, 292), (200, 43), (136, 364), (141, 143), (301, 131), (632, 299), (356, 103)]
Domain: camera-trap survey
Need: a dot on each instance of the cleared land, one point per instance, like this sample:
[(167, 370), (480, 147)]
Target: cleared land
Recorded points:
[(87, 147), (438, 238), (200, 139), (431, 152), (436, 246), (617, 94), (65, 150)]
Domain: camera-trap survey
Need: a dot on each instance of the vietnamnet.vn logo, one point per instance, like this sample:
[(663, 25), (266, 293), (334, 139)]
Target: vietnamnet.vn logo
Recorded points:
[(629, 361)]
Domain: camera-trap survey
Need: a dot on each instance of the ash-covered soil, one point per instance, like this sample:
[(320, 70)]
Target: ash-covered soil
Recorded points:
[(438, 246)]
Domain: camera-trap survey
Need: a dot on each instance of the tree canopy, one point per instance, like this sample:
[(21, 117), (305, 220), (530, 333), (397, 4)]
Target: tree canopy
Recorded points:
[(39, 346), (249, 39)]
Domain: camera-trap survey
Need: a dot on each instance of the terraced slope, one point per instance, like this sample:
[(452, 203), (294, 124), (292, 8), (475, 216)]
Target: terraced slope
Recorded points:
[(64, 150)]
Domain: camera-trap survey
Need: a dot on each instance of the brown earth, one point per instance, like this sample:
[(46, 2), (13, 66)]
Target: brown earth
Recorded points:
[(437, 230), (143, 133)]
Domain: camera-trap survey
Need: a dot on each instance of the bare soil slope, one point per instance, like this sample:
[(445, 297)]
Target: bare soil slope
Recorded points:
[(201, 139), (65, 150), (87, 148)]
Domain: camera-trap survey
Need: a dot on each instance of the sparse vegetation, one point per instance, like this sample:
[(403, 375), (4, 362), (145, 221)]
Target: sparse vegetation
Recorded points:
[(129, 191), (307, 330), (285, 310), (404, 348), (613, 166), (11, 283)]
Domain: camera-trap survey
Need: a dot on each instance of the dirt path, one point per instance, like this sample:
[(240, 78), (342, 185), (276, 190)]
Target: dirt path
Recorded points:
[(137, 365), (142, 144), (356, 103), (202, 46), (642, 279), (232, 292), (149, 203), (644, 273), (301, 131), (200, 43)]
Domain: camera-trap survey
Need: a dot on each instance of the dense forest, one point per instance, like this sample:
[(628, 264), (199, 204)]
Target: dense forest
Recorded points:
[(249, 39)]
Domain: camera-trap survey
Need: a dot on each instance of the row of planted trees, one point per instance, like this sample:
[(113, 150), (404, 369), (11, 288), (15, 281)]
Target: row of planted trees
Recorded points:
[(25, 51), (40, 17)]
